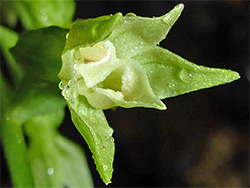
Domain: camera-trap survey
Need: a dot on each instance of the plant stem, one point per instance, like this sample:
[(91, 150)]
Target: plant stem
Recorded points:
[(16, 153)]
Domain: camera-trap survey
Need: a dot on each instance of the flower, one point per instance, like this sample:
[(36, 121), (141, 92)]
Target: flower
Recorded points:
[(101, 62), (114, 61)]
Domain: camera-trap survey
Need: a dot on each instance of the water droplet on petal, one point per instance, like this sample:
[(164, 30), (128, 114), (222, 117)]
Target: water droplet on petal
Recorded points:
[(185, 76), (44, 14), (50, 171), (110, 139), (171, 85), (131, 14), (105, 167)]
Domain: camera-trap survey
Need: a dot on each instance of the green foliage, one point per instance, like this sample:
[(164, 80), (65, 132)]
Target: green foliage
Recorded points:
[(55, 161), (36, 96), (38, 14), (30, 98), (48, 43), (8, 39), (35, 99)]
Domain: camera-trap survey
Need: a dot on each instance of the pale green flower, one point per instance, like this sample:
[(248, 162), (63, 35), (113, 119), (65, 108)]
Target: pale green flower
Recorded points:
[(114, 61)]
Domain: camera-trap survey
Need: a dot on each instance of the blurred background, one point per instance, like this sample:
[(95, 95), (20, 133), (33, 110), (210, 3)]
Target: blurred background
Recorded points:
[(202, 139)]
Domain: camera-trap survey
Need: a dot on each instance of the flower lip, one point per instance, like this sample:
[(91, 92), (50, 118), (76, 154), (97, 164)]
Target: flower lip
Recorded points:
[(97, 53), (95, 63)]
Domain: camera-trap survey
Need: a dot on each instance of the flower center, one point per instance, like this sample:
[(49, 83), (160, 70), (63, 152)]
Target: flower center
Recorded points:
[(95, 53)]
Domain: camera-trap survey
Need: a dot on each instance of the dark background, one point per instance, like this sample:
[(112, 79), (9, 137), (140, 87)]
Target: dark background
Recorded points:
[(202, 139)]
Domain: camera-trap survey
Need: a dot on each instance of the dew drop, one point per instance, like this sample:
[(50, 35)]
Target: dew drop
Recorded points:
[(43, 11), (19, 141), (131, 14), (44, 14), (66, 92), (185, 76), (171, 85), (110, 139), (105, 167), (50, 171)]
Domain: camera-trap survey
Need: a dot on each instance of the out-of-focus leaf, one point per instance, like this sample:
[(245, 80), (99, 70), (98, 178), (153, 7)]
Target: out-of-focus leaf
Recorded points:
[(39, 52), (8, 39), (33, 99), (8, 13), (36, 95), (170, 75), (55, 161), (6, 93), (29, 100), (5, 97), (38, 14)]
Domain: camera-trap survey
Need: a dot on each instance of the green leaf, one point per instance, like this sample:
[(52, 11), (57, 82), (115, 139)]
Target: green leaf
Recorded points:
[(33, 99), (38, 14), (55, 161), (170, 75), (8, 39), (5, 92), (5, 97), (36, 94), (8, 13), (87, 32), (29, 100), (39, 52), (93, 126), (137, 33)]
